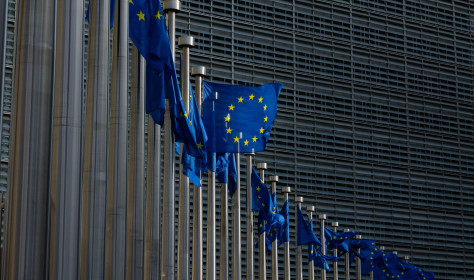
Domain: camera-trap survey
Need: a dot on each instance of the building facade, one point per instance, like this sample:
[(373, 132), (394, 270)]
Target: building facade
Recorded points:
[(375, 122)]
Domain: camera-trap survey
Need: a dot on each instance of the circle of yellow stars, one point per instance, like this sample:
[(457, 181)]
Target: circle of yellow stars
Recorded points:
[(241, 99)]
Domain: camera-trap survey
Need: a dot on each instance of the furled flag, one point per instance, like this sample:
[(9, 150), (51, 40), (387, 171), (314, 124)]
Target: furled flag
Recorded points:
[(284, 235), (239, 119), (261, 199), (338, 240), (148, 32), (194, 167)]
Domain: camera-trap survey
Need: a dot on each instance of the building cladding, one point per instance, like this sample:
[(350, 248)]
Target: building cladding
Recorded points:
[(375, 122)]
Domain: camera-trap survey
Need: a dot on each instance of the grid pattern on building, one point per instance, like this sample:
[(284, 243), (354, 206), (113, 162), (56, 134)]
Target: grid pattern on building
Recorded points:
[(375, 122)]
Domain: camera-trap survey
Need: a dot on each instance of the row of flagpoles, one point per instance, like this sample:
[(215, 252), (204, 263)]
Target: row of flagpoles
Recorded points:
[(115, 229)]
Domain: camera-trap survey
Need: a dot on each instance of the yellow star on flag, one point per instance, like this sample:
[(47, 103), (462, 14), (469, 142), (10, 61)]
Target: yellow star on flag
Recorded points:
[(260, 99), (158, 16), (265, 119), (190, 122), (251, 97), (131, 2), (200, 145), (261, 181), (236, 139), (229, 130), (258, 188), (255, 139), (241, 99), (227, 118), (246, 142), (262, 130), (141, 16), (231, 107), (265, 108)]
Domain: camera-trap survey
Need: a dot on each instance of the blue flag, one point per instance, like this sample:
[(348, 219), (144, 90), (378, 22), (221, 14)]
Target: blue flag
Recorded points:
[(371, 257), (305, 231), (194, 167), (237, 110), (148, 32), (316, 255), (285, 230), (338, 240), (275, 227), (394, 269), (226, 171), (261, 199)]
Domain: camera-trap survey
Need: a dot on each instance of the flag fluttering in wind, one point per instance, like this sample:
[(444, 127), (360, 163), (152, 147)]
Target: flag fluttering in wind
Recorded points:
[(226, 171), (305, 231), (316, 255), (195, 167), (232, 111), (148, 32), (338, 240)]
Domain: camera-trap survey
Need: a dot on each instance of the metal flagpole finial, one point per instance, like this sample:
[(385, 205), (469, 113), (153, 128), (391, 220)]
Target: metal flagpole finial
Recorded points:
[(171, 5), (186, 41), (286, 189), (334, 224), (198, 71), (406, 258), (262, 166), (346, 230), (395, 252), (273, 178), (382, 248), (299, 199), (322, 217), (358, 237), (311, 209)]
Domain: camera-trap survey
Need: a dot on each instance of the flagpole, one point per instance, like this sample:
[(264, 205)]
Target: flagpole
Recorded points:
[(323, 217), (224, 253), (117, 156), (262, 253), (299, 261), (236, 245), (67, 134), (274, 180), (346, 262), (198, 72), (136, 184), (286, 192), (185, 43), (334, 253), (94, 188), (250, 267), (310, 210), (211, 218), (358, 271), (170, 7)]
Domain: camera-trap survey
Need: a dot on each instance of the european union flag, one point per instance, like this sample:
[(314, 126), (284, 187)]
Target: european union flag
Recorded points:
[(226, 171), (285, 230), (339, 241), (394, 269), (261, 199), (355, 245), (148, 32), (305, 231), (239, 111), (194, 167), (316, 256), (371, 257)]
